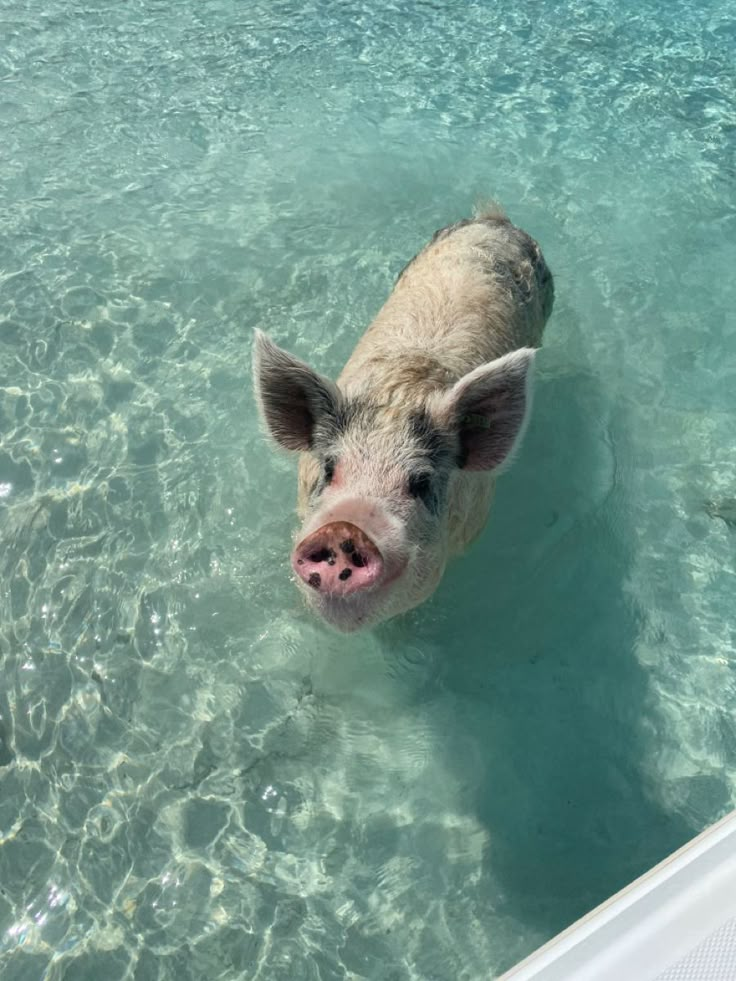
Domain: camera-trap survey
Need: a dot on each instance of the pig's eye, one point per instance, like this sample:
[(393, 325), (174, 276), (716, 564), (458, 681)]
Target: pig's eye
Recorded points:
[(329, 469), (420, 485)]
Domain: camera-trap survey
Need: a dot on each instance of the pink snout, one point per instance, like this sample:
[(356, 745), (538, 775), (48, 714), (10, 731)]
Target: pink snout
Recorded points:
[(338, 559)]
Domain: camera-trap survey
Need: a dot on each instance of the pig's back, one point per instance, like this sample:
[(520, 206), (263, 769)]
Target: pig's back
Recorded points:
[(479, 289)]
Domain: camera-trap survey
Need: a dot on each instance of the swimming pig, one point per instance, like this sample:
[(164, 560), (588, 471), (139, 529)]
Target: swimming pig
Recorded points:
[(398, 458)]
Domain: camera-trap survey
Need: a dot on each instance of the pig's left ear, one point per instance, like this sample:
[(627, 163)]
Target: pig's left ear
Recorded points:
[(489, 408), (292, 398)]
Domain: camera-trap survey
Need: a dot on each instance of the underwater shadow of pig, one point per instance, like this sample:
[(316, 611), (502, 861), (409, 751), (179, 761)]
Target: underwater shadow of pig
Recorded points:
[(537, 638)]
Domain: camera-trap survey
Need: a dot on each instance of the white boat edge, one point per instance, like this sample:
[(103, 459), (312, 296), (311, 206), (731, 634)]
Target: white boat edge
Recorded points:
[(652, 923)]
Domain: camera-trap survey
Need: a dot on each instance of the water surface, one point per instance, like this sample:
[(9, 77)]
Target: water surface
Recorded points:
[(196, 779)]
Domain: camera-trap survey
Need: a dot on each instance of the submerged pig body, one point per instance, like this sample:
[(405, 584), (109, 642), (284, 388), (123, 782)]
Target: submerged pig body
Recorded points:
[(398, 458)]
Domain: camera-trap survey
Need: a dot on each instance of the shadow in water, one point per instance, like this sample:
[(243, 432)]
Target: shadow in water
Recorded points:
[(539, 635)]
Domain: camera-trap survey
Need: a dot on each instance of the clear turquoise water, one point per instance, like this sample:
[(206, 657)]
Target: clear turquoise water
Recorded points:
[(196, 780)]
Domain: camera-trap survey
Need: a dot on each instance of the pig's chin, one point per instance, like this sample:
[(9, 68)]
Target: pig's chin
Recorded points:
[(361, 610), (349, 614)]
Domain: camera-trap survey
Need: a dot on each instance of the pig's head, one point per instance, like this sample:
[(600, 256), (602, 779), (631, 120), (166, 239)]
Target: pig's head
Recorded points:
[(382, 468)]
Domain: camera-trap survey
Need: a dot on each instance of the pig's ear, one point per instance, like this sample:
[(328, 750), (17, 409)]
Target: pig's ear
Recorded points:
[(489, 408), (292, 398)]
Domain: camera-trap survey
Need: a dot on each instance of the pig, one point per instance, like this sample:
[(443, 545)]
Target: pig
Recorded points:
[(399, 457)]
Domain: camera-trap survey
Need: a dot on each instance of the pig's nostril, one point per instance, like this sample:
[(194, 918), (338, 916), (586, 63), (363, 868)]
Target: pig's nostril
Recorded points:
[(357, 560), (323, 555)]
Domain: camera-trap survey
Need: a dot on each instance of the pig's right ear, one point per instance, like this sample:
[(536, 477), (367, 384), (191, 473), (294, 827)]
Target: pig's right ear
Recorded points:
[(292, 398), (489, 408)]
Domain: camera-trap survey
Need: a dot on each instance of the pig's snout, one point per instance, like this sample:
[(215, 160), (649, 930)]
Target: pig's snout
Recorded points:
[(338, 559)]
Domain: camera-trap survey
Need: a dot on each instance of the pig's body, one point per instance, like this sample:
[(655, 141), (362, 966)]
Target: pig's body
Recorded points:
[(424, 397)]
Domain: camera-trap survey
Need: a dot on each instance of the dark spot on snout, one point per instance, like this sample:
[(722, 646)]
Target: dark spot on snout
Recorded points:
[(357, 560), (323, 555), (315, 580), (345, 574), (347, 546)]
